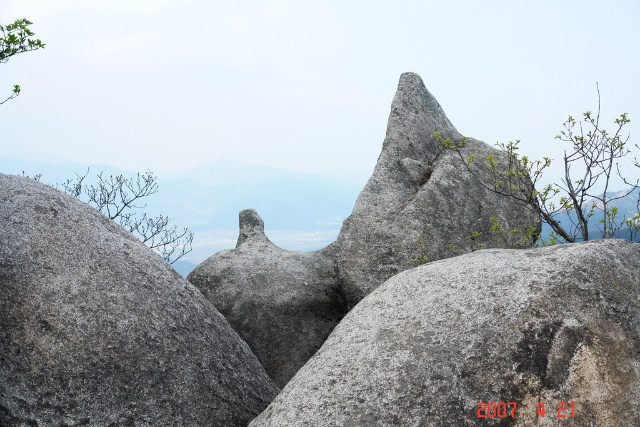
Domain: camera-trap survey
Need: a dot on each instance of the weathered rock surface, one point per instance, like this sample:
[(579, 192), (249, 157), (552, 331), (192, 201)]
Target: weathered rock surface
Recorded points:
[(273, 297), (418, 190), (557, 324), (283, 303), (96, 330)]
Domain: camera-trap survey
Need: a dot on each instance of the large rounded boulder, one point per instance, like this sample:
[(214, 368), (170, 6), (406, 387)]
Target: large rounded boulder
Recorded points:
[(97, 330), (516, 338)]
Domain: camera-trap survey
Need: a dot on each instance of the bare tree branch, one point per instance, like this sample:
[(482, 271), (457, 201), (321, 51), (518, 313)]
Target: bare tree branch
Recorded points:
[(119, 199)]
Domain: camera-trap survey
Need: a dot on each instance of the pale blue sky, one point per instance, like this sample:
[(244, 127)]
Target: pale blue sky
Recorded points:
[(304, 85)]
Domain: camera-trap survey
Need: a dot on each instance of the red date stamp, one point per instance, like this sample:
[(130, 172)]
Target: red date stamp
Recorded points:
[(497, 409), (508, 409)]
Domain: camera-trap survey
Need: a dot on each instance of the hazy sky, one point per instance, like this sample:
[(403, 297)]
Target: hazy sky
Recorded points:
[(304, 85)]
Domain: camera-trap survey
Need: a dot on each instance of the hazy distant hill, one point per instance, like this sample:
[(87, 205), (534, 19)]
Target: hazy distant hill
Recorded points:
[(301, 211), (627, 208)]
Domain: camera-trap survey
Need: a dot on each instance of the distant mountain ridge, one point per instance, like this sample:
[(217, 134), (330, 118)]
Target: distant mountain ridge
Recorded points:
[(627, 208), (302, 211)]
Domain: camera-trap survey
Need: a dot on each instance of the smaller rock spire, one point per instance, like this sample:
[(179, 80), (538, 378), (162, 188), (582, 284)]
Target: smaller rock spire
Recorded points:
[(251, 226)]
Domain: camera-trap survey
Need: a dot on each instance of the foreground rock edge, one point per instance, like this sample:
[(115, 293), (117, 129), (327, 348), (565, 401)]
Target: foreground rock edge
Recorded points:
[(553, 324), (96, 329)]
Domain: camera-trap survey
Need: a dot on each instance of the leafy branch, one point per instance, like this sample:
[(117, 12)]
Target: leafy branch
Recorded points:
[(17, 38), (589, 167)]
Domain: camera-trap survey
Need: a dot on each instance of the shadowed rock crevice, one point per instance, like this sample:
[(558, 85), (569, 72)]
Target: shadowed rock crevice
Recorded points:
[(532, 355), (546, 350), (568, 340)]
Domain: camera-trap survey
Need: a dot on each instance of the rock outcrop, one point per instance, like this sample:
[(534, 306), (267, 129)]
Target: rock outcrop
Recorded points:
[(97, 330), (283, 303), (549, 325), (416, 189)]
